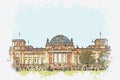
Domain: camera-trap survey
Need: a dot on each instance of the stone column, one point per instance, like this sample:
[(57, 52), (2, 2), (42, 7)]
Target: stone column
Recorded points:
[(50, 58)]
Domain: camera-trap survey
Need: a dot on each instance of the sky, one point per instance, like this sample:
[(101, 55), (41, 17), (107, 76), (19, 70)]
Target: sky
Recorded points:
[(37, 20), (77, 22)]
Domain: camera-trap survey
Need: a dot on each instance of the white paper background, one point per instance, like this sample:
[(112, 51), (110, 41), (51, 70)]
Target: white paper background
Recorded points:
[(8, 8)]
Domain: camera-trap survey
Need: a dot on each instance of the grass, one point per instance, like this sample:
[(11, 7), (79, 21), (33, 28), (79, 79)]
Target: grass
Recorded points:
[(97, 72), (23, 73), (44, 73), (67, 72), (70, 73)]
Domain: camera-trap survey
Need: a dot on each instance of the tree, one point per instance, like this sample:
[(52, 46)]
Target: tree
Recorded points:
[(103, 60), (86, 58)]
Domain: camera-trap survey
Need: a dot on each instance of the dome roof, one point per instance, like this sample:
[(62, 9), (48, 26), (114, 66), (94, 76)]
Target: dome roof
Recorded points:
[(60, 39)]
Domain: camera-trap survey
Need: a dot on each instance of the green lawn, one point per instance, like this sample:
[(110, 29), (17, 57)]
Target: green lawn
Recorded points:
[(47, 72), (70, 73), (23, 72), (97, 72)]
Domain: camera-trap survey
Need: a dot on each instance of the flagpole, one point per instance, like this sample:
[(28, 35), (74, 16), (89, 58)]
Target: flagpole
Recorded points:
[(100, 35), (19, 35), (28, 42)]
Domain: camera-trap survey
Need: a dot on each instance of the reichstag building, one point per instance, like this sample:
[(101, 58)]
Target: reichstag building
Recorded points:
[(59, 54)]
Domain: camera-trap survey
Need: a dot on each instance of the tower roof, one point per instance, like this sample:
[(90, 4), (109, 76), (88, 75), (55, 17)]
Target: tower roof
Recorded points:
[(18, 40)]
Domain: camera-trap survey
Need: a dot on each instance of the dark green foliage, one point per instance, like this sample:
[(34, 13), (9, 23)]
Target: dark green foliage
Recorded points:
[(86, 58), (103, 60)]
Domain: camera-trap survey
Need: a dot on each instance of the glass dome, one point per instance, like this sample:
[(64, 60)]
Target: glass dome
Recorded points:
[(60, 39)]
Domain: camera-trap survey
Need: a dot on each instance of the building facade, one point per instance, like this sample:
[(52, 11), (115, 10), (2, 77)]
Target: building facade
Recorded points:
[(59, 53)]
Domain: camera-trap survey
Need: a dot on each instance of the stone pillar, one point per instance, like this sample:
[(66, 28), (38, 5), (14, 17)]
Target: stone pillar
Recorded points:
[(50, 58), (68, 58)]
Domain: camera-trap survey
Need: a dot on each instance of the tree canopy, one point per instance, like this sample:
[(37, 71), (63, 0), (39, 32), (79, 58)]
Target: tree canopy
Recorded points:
[(86, 58), (103, 60)]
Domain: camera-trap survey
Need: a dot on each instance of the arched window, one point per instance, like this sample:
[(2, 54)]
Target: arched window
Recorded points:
[(30, 61), (34, 61), (25, 61), (17, 55), (39, 61)]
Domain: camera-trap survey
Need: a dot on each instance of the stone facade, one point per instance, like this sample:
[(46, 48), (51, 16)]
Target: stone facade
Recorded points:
[(59, 53)]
